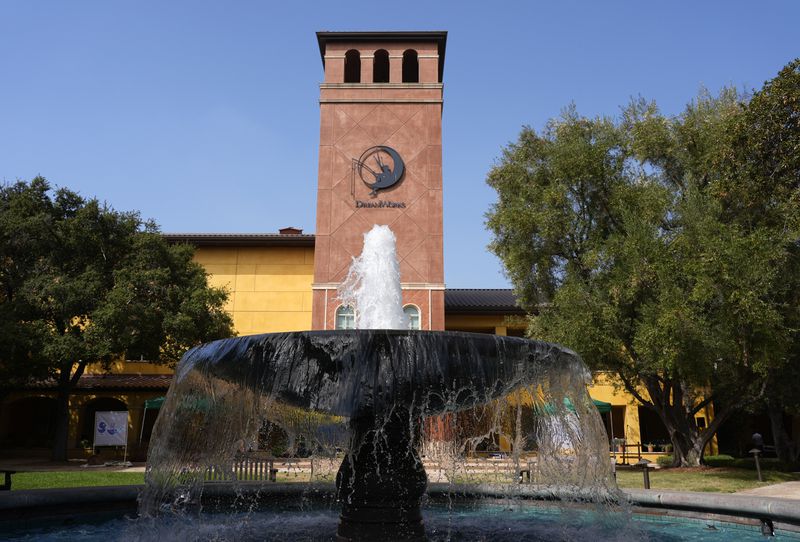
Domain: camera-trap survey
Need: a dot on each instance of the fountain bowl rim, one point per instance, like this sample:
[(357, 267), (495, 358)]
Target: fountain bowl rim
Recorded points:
[(75, 502)]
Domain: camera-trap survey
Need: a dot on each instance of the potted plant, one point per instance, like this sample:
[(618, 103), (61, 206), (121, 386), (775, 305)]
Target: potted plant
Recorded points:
[(619, 444), (650, 447), (668, 448)]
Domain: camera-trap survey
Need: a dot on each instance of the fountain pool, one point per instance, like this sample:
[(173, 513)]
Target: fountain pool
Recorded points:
[(315, 519)]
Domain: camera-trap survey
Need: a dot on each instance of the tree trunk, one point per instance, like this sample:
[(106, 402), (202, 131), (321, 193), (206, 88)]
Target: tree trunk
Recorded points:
[(67, 380), (784, 447), (688, 440), (62, 425), (688, 451)]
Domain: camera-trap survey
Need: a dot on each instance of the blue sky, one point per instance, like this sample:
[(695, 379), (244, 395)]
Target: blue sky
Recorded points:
[(204, 115)]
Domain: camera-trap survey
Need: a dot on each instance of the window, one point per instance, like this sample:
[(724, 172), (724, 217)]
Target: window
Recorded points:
[(380, 66), (410, 67), (345, 317), (352, 66), (412, 312)]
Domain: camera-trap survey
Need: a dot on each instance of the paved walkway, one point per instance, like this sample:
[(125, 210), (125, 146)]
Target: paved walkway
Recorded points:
[(784, 490)]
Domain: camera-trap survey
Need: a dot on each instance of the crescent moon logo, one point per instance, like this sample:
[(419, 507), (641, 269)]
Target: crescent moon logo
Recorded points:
[(380, 167)]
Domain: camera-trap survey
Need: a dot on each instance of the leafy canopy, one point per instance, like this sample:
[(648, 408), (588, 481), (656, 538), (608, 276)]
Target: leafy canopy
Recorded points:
[(81, 282), (615, 235)]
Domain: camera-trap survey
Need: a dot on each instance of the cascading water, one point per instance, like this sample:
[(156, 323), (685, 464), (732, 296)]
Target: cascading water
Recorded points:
[(372, 286), (364, 403)]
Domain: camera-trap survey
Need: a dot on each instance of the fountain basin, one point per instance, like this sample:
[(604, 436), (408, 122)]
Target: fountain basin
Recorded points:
[(308, 511), (378, 386), (358, 373)]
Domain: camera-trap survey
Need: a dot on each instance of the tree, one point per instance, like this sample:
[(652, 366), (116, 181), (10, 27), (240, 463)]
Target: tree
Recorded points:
[(614, 237), (760, 189), (82, 283)]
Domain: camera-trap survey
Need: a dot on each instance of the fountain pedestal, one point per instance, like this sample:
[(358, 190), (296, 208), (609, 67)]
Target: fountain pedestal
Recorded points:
[(381, 481)]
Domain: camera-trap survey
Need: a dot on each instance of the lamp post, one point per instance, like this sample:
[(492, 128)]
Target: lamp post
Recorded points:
[(755, 452), (645, 465)]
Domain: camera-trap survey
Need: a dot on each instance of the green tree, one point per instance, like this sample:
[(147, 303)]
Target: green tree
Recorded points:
[(760, 190), (614, 236), (82, 283)]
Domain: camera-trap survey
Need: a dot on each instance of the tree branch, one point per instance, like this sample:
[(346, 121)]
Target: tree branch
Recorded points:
[(633, 391), (78, 373), (702, 404)]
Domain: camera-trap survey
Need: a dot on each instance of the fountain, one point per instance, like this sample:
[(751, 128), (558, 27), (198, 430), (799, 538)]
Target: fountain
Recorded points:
[(368, 404), (380, 381)]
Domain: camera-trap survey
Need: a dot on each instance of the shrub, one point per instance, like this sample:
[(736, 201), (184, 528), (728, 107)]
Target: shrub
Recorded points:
[(767, 463), (664, 461), (721, 460)]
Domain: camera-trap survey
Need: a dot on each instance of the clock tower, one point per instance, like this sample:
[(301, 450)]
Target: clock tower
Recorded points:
[(380, 162)]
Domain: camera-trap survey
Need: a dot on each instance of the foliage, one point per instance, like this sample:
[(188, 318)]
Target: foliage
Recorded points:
[(628, 241), (770, 463), (665, 460), (82, 283), (721, 460), (760, 191), (747, 463)]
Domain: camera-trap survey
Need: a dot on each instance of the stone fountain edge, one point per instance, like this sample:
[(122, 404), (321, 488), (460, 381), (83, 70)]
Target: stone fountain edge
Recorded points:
[(59, 502)]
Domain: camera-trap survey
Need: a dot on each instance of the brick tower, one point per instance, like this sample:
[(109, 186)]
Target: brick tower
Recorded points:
[(380, 162)]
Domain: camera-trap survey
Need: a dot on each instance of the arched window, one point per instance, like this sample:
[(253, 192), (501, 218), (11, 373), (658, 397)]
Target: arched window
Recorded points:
[(352, 66), (412, 312), (410, 67), (380, 66), (345, 317)]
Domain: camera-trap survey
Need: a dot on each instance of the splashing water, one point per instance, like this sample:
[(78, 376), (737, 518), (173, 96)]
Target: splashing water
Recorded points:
[(372, 286), (381, 410)]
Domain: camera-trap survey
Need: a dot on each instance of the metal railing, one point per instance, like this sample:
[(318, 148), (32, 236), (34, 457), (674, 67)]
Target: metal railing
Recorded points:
[(244, 470)]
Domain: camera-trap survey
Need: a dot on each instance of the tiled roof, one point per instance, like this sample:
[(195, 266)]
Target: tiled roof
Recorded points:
[(116, 382), (481, 300), (240, 239)]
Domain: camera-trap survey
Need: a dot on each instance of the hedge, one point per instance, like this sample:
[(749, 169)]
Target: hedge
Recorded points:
[(727, 461)]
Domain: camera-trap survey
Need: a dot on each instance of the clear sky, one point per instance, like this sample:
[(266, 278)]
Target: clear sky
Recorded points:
[(204, 115)]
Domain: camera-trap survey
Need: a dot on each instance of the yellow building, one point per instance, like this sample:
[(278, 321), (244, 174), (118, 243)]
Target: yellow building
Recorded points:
[(269, 279)]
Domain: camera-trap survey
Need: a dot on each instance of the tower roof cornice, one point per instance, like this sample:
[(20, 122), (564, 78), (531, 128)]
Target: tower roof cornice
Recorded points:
[(437, 36)]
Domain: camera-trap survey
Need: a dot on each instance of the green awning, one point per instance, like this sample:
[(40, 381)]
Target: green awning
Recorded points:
[(154, 403), (602, 406)]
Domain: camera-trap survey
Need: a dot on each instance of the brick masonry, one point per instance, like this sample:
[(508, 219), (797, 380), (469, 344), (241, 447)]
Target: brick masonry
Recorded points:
[(353, 118)]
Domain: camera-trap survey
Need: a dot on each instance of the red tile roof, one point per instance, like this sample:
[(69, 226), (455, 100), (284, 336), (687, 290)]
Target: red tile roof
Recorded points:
[(116, 382), (481, 301), (242, 239)]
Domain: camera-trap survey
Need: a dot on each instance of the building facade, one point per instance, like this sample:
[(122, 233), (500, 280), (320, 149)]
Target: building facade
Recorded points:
[(380, 162)]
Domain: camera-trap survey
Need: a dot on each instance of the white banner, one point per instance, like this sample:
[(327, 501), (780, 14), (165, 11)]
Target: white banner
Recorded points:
[(111, 428)]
